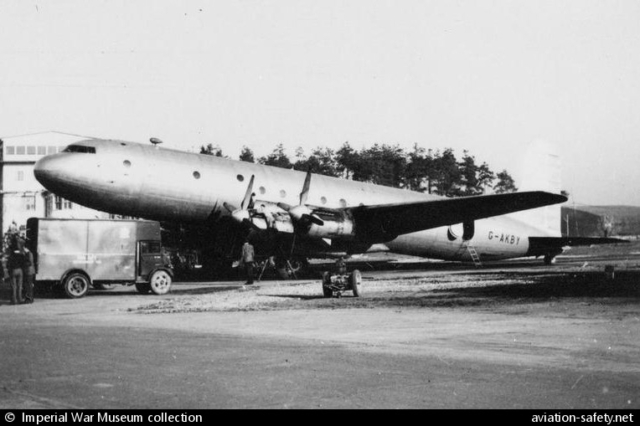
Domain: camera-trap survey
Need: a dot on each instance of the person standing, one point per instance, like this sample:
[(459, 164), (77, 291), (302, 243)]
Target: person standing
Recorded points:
[(247, 259), (28, 273), (18, 259)]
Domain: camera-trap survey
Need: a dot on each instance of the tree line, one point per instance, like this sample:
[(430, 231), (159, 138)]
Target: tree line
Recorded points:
[(435, 172)]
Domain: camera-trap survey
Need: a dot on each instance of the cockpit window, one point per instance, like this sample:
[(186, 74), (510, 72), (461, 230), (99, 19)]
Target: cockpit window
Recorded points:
[(80, 148)]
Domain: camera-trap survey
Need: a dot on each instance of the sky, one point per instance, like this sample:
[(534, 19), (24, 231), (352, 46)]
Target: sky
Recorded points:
[(484, 76)]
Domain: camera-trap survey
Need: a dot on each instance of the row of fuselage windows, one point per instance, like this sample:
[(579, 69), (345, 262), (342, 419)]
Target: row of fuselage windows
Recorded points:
[(283, 194), (32, 150)]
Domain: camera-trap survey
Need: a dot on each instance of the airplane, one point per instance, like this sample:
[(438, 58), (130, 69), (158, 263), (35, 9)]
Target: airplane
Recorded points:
[(295, 215)]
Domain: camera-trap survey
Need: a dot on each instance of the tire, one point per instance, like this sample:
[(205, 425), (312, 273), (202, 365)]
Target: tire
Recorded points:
[(299, 265), (160, 282), (549, 259), (76, 285), (355, 279)]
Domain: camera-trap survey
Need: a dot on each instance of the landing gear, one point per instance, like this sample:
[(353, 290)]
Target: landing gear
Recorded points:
[(549, 259), (339, 283)]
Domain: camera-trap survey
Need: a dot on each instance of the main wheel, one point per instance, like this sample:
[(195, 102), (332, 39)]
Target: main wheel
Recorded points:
[(355, 279), (143, 288), (160, 282), (76, 285), (549, 259)]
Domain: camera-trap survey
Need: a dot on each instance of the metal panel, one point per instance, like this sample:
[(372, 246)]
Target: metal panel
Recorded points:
[(111, 250), (62, 246)]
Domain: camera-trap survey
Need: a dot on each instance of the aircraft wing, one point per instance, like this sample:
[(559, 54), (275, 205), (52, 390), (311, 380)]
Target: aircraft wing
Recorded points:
[(386, 221)]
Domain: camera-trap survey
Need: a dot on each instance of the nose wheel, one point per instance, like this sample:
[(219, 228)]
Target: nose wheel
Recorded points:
[(336, 284)]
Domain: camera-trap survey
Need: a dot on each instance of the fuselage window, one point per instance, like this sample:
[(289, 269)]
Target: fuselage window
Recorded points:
[(240, 178), (283, 193), (196, 175), (262, 190), (343, 202), (80, 149), (127, 163), (323, 200)]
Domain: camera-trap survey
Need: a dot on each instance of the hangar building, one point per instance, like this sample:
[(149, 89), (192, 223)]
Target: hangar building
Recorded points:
[(21, 195)]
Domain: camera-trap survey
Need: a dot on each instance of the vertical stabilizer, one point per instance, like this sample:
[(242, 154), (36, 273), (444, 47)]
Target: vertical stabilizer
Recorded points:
[(541, 171)]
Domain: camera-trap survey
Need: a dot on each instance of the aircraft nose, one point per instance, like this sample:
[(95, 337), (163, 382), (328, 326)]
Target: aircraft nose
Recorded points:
[(49, 170)]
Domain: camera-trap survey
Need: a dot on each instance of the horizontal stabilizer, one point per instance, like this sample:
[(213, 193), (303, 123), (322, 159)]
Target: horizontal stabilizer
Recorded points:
[(386, 221)]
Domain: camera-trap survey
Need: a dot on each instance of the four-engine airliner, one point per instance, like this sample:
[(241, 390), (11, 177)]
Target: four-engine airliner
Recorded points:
[(291, 213)]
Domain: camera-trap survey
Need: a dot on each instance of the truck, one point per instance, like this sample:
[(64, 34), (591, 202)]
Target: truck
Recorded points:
[(76, 254)]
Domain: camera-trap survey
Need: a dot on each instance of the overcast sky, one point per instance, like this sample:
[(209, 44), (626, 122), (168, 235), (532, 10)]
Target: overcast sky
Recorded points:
[(486, 76)]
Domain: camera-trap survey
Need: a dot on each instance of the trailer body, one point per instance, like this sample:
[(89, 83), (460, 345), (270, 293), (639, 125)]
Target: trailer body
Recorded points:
[(100, 251)]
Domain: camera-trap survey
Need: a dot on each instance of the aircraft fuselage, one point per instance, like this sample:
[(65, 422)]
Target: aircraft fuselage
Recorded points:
[(146, 181)]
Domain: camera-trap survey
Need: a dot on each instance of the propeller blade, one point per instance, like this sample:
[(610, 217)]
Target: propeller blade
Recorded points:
[(315, 219), (305, 188), (247, 195), (229, 207), (306, 218)]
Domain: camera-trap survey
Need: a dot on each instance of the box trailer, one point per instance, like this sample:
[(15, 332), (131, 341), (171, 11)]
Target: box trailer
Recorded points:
[(74, 254)]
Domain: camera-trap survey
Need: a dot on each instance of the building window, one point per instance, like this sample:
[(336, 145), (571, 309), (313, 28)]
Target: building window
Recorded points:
[(42, 150), (20, 175), (66, 204), (58, 202), (51, 150), (31, 150), (11, 150), (29, 203), (20, 150)]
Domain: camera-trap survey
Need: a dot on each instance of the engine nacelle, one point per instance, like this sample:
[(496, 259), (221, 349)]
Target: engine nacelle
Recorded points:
[(336, 224), (341, 229)]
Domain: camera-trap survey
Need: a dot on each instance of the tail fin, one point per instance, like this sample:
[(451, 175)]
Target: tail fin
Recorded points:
[(541, 171)]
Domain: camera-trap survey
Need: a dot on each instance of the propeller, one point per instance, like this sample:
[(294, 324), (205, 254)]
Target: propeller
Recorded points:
[(241, 215), (301, 214)]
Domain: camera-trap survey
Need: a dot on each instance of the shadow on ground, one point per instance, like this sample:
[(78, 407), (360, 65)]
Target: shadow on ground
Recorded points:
[(515, 288)]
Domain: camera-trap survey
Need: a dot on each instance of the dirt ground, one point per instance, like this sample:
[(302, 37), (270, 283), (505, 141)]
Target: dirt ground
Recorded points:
[(515, 335)]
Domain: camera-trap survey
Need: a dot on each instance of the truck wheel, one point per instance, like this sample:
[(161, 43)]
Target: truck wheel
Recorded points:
[(143, 288), (355, 279), (76, 285), (160, 282)]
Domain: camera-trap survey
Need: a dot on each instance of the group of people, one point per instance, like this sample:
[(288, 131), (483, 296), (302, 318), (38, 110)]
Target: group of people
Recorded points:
[(19, 269)]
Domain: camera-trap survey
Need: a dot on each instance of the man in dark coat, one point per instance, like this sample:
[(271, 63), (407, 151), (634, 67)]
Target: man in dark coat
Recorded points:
[(247, 260), (20, 259)]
